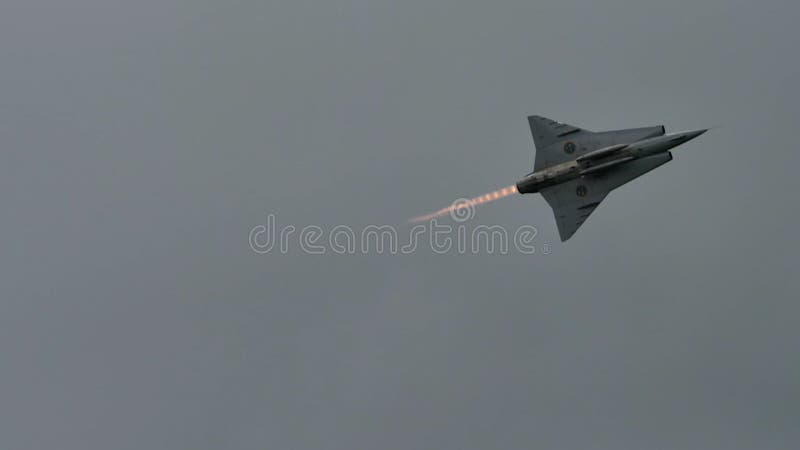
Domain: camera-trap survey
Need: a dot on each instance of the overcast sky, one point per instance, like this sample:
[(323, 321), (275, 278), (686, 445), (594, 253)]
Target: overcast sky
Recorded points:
[(143, 140)]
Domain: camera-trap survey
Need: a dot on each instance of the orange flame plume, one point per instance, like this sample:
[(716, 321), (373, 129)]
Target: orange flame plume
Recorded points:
[(471, 203)]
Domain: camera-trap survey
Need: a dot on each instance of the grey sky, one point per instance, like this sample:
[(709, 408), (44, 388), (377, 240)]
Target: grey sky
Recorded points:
[(141, 141)]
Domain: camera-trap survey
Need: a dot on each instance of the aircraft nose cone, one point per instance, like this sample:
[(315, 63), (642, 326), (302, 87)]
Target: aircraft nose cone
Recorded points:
[(689, 135)]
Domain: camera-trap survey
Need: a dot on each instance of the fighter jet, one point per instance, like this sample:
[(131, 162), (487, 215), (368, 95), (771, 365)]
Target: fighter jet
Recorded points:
[(575, 169)]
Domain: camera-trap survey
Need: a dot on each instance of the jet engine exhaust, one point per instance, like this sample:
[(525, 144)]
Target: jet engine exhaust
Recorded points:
[(471, 203)]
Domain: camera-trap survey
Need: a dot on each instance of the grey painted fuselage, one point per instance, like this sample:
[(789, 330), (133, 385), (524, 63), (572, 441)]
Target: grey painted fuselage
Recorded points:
[(620, 154), (575, 169)]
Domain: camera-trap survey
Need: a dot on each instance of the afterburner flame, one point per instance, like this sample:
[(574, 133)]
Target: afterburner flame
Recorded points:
[(465, 207)]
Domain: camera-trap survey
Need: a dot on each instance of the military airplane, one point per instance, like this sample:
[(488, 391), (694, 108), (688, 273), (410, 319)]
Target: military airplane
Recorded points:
[(575, 169)]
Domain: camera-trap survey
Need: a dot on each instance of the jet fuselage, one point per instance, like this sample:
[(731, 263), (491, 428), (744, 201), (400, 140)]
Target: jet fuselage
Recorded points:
[(600, 160)]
